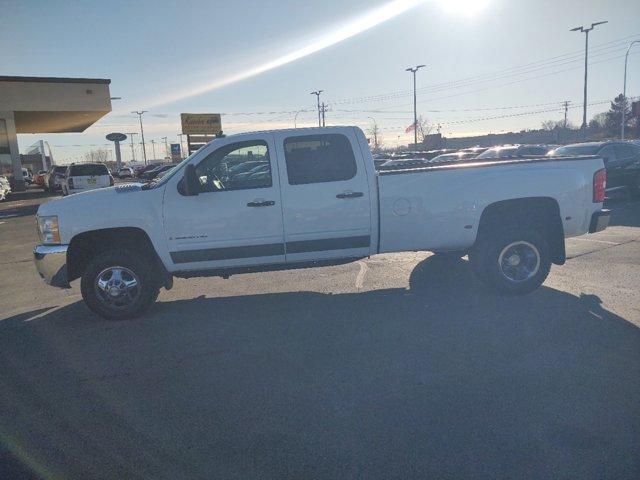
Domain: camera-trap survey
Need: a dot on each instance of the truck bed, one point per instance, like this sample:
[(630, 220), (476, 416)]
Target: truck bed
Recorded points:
[(440, 206)]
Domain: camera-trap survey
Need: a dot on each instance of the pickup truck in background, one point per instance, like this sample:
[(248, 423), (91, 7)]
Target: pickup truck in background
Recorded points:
[(309, 197)]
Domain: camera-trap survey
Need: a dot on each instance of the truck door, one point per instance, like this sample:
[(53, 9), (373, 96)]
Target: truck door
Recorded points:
[(327, 211), (236, 219)]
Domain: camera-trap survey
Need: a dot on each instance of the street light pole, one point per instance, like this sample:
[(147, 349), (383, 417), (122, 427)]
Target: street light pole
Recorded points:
[(184, 152), (144, 151), (133, 153), (295, 118), (166, 147), (413, 70), (153, 146), (624, 88), (586, 31), (317, 94)]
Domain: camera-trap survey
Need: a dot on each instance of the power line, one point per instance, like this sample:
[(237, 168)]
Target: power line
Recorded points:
[(524, 69)]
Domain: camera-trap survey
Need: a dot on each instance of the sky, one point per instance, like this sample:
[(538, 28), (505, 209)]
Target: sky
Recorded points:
[(491, 65)]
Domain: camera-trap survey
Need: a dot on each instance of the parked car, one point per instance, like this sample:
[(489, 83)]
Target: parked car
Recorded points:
[(27, 176), (5, 187), (154, 172), (321, 202), (38, 179), (54, 177), (510, 151), (621, 159), (142, 169), (125, 172), (403, 163), (453, 157), (81, 177)]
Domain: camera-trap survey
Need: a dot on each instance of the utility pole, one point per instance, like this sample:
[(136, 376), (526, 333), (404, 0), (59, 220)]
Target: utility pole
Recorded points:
[(166, 147), (153, 146), (184, 152), (413, 70), (586, 31), (323, 109), (566, 111), (624, 88), (133, 153), (144, 151), (317, 94)]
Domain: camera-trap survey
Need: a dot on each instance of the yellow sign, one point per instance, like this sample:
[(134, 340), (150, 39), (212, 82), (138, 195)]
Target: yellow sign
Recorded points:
[(201, 123)]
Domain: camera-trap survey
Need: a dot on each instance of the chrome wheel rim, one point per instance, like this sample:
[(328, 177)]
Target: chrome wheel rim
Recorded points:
[(117, 287), (519, 261)]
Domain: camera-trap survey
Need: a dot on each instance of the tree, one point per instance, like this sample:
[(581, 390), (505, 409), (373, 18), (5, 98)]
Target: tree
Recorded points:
[(376, 136), (551, 125), (613, 118), (598, 121), (100, 155), (424, 128)]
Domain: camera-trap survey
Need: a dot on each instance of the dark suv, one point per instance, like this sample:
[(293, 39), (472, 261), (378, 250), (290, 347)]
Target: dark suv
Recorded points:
[(621, 159)]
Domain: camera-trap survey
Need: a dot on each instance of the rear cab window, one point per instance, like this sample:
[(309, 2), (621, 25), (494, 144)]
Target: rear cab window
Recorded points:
[(88, 170), (319, 158)]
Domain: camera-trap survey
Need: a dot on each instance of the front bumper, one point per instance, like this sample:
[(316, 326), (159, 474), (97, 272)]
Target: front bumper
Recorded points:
[(51, 263), (599, 220)]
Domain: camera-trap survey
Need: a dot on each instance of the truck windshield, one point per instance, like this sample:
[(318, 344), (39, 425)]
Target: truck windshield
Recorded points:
[(165, 178)]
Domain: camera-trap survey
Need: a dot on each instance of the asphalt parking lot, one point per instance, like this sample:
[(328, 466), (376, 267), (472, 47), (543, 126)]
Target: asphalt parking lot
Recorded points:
[(399, 366)]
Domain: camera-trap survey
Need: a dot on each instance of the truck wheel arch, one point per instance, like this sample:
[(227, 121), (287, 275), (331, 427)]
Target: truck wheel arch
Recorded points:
[(540, 212), (84, 245)]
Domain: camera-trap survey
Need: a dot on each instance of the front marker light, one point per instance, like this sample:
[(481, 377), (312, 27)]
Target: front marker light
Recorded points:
[(48, 230)]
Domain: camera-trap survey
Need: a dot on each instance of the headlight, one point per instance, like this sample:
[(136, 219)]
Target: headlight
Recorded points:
[(48, 230)]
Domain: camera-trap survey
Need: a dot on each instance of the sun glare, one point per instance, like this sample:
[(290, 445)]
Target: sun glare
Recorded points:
[(468, 8), (337, 34)]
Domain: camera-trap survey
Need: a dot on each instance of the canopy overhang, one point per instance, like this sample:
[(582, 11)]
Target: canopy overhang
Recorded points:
[(53, 104)]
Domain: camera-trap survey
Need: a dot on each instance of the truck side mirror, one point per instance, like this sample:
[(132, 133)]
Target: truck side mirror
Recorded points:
[(191, 183)]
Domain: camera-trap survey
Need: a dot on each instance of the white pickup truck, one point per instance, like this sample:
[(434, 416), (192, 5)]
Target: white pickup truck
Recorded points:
[(309, 197)]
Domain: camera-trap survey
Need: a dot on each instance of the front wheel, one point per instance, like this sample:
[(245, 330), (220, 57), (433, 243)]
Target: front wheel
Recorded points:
[(119, 284), (512, 261)]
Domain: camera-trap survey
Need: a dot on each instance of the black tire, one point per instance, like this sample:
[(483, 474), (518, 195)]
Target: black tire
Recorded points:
[(491, 260), (129, 262)]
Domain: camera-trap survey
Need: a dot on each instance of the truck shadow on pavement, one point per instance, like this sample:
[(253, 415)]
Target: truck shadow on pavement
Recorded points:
[(441, 380)]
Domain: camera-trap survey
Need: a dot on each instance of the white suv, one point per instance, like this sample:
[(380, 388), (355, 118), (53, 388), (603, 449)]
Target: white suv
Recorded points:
[(82, 177)]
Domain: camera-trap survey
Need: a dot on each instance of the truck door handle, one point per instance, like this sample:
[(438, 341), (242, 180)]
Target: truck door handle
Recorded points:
[(261, 203), (350, 195)]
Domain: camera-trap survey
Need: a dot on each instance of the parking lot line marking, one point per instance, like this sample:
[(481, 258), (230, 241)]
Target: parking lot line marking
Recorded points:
[(361, 274), (594, 240)]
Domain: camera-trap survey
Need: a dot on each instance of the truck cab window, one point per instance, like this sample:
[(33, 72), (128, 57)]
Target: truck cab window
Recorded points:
[(319, 158), (238, 166)]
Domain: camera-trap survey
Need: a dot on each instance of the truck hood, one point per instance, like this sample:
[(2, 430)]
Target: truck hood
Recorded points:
[(92, 201), (114, 207)]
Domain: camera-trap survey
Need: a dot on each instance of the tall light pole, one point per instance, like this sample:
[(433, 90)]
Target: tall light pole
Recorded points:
[(153, 146), (415, 106), (144, 150), (184, 152), (624, 88), (317, 94), (133, 153), (166, 147), (586, 31), (295, 118)]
